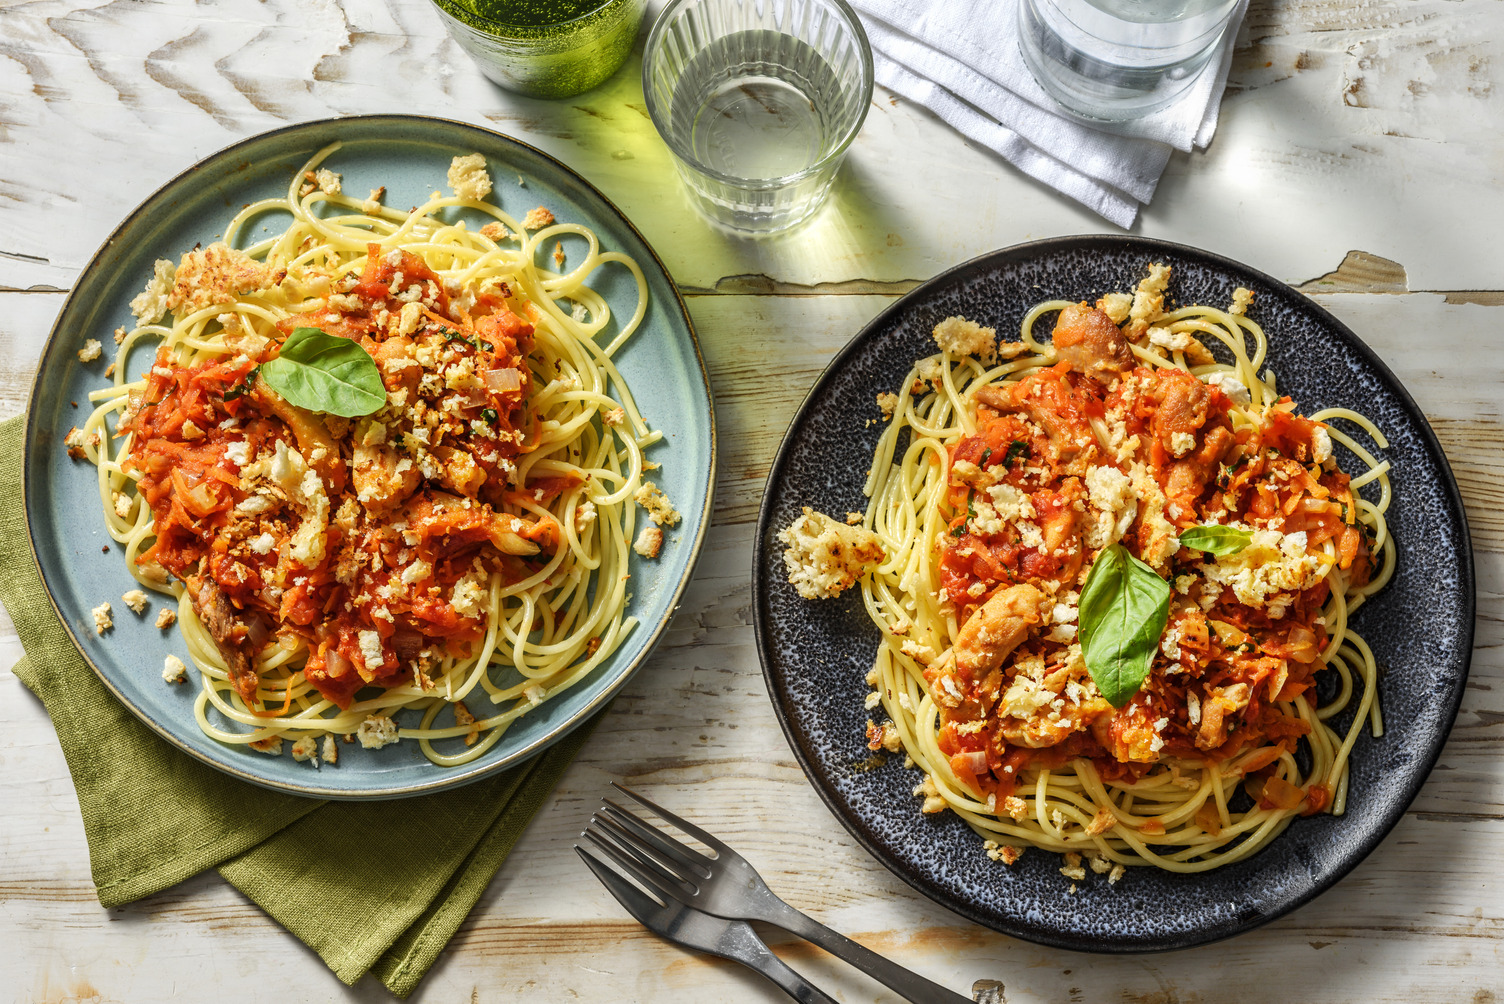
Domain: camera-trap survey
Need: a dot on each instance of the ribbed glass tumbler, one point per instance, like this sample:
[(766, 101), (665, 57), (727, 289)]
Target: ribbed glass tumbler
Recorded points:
[(758, 100)]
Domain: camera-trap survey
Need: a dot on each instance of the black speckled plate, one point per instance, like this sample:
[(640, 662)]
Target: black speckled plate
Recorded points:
[(816, 654)]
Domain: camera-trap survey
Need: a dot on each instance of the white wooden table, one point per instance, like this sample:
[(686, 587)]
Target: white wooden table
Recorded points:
[(1360, 156)]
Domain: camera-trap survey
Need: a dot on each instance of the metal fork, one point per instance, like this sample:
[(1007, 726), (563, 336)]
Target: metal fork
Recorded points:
[(684, 925), (726, 885)]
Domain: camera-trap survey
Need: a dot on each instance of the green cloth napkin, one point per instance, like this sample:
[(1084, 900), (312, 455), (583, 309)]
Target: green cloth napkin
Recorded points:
[(375, 887)]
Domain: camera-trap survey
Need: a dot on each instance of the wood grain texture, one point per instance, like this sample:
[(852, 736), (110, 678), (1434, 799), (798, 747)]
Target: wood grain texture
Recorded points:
[(1357, 154)]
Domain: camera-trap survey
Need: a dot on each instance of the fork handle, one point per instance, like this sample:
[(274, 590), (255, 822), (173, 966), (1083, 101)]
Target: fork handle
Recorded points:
[(787, 980), (910, 985)]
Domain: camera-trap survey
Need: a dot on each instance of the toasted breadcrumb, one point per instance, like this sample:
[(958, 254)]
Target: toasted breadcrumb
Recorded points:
[(660, 509), (497, 231), (1072, 868), (213, 275), (1116, 306), (888, 402), (615, 416), (960, 337), (74, 443), (174, 670), (537, 219), (305, 749), (1099, 864), (327, 180), (102, 619), (151, 303), (469, 178), (1148, 301), (824, 558), (120, 334), (462, 716), (136, 599), (933, 801), (166, 617), (1241, 298), (1117, 872), (271, 745), (372, 205), (377, 731), (330, 750), (648, 542), (854, 518), (91, 351), (1103, 821), (1006, 853), (559, 253)]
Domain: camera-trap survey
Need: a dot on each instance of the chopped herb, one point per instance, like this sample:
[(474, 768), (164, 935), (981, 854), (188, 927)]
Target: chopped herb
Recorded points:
[(985, 454), (1016, 451), (489, 414), (243, 386)]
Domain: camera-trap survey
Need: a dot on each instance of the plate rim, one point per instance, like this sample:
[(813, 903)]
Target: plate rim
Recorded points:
[(761, 576), (459, 776)]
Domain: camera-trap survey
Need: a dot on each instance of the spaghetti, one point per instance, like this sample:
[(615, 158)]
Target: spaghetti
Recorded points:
[(1008, 472), (463, 538)]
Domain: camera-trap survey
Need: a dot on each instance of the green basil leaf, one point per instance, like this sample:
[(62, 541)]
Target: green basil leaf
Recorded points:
[(1016, 451), (1123, 611), (1218, 540), (326, 373)]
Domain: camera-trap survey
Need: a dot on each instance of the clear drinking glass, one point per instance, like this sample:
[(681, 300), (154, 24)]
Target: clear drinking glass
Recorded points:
[(1115, 60), (758, 101)]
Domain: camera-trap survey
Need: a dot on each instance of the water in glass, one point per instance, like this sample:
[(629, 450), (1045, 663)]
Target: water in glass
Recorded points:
[(757, 105), (1119, 59)]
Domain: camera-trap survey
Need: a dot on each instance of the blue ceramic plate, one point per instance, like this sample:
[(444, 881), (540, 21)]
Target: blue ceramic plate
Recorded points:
[(410, 156), (816, 654)]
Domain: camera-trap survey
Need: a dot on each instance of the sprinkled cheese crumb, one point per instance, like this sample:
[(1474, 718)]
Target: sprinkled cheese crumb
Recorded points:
[(136, 599), (648, 542), (102, 619), (91, 351), (469, 178), (174, 670), (960, 337), (378, 730), (660, 509), (824, 557)]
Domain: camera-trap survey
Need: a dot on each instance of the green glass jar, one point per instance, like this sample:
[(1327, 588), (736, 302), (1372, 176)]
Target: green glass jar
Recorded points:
[(545, 48)]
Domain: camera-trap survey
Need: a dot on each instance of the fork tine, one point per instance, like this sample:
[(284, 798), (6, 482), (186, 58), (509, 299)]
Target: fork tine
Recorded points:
[(632, 865), (622, 842), (636, 902), (643, 832), (683, 824)]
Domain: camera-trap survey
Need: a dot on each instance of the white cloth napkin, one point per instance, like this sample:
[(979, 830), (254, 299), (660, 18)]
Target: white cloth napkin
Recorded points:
[(960, 59)]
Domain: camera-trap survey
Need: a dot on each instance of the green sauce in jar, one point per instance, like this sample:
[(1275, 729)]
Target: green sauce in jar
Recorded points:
[(545, 48)]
